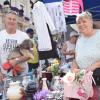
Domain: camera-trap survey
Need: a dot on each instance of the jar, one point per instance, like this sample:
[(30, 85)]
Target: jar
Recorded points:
[(14, 91), (57, 86)]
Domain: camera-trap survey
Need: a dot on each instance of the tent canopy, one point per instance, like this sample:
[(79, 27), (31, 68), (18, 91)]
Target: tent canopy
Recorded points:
[(92, 6)]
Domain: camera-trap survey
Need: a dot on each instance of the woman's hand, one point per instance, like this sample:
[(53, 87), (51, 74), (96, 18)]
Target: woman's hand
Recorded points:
[(92, 67)]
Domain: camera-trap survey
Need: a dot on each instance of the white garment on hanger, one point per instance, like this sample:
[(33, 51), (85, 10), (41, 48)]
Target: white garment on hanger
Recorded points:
[(57, 14), (41, 19)]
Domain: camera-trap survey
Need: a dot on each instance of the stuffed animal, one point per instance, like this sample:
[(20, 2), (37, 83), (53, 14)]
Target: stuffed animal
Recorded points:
[(24, 49)]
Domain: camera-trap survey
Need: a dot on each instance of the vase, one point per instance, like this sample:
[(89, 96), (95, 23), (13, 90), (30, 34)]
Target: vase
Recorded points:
[(44, 86), (14, 91), (57, 86)]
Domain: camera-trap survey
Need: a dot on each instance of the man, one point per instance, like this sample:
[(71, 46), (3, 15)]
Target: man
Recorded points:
[(33, 63), (11, 37)]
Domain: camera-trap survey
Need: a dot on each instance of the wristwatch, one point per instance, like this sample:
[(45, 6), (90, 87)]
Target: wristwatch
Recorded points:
[(17, 60)]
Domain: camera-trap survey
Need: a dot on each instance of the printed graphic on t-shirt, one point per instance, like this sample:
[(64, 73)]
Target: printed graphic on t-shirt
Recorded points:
[(9, 45)]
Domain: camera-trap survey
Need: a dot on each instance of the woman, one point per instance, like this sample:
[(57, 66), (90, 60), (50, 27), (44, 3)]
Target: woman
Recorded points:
[(68, 48), (87, 46)]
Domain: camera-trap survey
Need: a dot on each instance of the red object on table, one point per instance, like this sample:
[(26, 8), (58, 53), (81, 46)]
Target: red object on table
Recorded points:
[(23, 98), (7, 66), (15, 70)]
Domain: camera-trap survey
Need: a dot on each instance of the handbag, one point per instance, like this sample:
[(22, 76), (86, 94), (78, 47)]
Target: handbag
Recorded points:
[(82, 90), (96, 76)]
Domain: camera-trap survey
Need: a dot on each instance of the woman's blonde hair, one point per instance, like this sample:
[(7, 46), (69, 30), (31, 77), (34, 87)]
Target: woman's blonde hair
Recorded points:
[(85, 14)]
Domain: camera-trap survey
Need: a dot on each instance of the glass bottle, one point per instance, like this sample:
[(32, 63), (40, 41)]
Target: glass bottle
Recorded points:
[(44, 86)]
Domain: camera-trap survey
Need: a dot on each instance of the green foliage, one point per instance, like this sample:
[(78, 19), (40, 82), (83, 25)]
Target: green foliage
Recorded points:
[(80, 75), (55, 69)]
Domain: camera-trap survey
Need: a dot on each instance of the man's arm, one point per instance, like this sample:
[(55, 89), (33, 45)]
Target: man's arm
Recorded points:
[(18, 60), (26, 56)]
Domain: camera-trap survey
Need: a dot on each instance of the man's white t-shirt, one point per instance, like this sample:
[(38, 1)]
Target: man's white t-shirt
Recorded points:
[(7, 43), (88, 50)]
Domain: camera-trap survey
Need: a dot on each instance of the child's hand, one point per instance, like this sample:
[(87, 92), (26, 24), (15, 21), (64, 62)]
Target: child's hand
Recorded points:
[(75, 70), (27, 53)]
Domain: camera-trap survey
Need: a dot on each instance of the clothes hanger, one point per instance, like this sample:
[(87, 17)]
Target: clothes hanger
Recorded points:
[(33, 2)]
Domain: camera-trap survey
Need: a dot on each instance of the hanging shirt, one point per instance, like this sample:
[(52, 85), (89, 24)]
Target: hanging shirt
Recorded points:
[(41, 20), (56, 12), (72, 7)]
